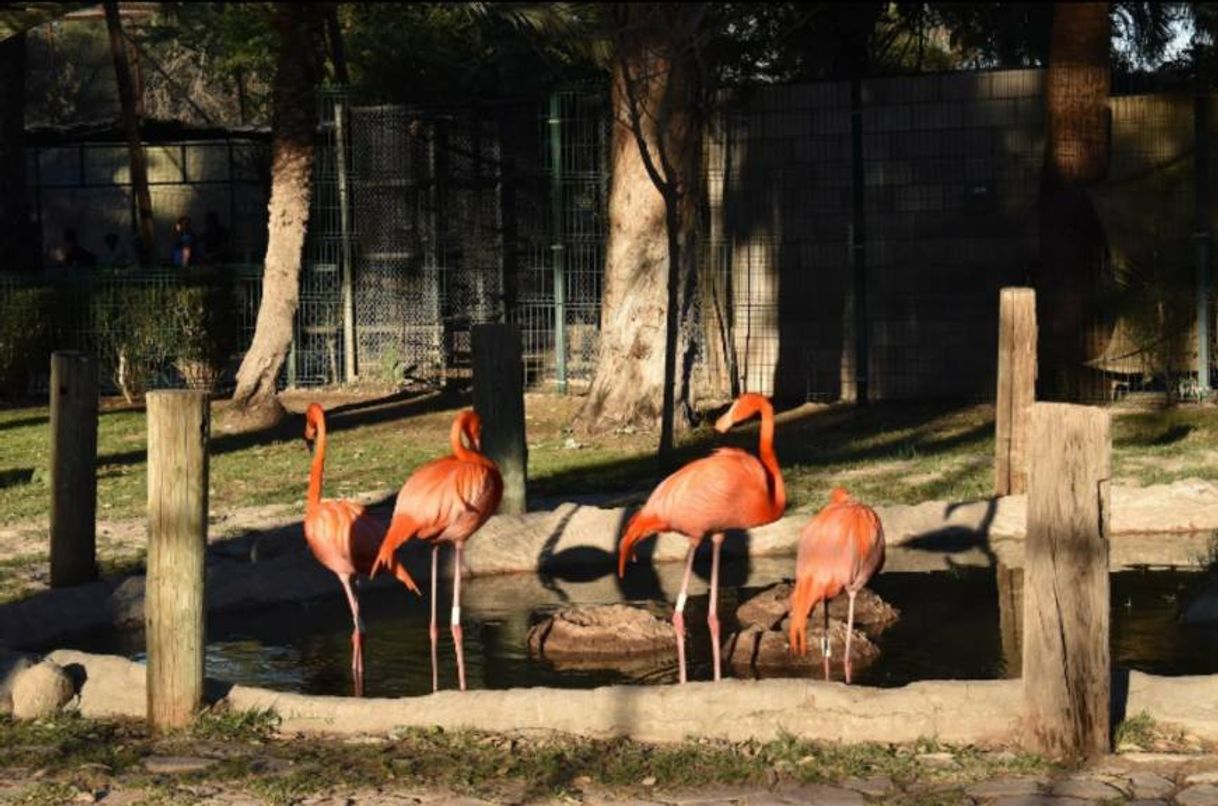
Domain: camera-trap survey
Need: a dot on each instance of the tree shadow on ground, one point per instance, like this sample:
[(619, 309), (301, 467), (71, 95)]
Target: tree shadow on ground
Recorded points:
[(391, 408)]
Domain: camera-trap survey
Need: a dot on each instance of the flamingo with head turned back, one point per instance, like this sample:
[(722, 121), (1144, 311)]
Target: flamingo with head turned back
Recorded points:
[(447, 499), (342, 537), (730, 489), (840, 549)]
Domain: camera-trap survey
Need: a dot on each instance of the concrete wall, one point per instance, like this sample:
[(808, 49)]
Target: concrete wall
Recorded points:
[(87, 187)]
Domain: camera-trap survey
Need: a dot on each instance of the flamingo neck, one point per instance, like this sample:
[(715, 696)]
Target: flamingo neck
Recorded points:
[(319, 464), (461, 450), (765, 450)]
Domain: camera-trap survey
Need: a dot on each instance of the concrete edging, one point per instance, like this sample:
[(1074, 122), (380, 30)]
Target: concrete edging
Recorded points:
[(983, 712)]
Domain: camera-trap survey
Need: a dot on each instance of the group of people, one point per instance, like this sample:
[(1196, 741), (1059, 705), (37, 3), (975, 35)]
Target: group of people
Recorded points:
[(188, 249)]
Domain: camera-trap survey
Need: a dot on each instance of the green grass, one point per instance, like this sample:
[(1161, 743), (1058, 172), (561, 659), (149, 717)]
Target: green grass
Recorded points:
[(885, 454), (1139, 730), (530, 767)]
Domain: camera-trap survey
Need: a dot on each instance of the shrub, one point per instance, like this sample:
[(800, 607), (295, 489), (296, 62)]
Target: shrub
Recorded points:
[(134, 337), (24, 337), (203, 317)]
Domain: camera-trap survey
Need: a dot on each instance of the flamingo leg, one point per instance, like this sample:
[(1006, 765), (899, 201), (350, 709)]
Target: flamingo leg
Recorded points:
[(825, 645), (357, 636), (712, 615), (456, 617), (433, 632), (849, 632), (678, 613)]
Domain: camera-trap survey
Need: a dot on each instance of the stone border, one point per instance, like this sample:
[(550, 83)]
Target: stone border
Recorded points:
[(983, 712)]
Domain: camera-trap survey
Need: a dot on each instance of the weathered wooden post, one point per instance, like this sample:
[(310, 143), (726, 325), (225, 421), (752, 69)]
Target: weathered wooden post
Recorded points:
[(1016, 388), (1065, 642), (73, 469), (499, 401), (1010, 618), (177, 537)]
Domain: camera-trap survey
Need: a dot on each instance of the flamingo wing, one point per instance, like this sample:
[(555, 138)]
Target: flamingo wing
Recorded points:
[(726, 490), (446, 498)]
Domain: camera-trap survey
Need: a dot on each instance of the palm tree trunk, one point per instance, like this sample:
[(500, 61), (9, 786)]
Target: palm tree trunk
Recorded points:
[(1072, 242), (131, 126), (648, 332), (294, 123)]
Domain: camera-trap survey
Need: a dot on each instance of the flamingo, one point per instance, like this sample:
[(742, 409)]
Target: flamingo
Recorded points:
[(447, 499), (840, 549), (342, 537), (730, 489)]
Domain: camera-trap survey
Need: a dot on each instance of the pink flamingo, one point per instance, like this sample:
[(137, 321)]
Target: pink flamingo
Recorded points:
[(342, 537), (840, 549), (447, 499), (730, 489)]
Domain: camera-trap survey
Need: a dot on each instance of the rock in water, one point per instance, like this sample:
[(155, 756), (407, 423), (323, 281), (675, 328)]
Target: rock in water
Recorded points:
[(41, 690), (601, 632), (769, 610), (766, 653)]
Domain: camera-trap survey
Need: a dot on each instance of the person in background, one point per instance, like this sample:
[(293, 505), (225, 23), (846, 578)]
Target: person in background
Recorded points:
[(183, 243), (74, 254), (213, 243), (114, 254)]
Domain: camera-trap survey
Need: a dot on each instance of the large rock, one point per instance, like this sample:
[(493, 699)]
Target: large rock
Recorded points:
[(769, 610), (41, 690), (594, 632), (767, 653)]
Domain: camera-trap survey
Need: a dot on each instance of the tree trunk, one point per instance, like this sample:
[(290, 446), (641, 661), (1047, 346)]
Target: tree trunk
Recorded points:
[(131, 127), (647, 356), (16, 230), (1072, 242), (294, 121)]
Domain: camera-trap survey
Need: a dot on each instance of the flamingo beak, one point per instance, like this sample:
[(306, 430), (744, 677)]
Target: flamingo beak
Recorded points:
[(725, 423), (308, 444)]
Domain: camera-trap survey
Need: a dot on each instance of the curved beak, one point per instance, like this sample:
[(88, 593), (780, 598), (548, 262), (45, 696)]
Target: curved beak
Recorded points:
[(725, 422), (308, 443)]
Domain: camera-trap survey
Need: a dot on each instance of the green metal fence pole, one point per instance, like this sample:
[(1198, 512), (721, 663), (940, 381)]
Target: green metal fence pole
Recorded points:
[(344, 218), (556, 244), (1201, 234)]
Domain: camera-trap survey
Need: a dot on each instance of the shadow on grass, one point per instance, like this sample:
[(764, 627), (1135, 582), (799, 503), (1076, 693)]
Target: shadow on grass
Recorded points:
[(821, 438), (16, 476), (392, 408), (25, 422)]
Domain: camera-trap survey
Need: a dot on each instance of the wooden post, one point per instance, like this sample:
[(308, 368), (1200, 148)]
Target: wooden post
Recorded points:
[(1016, 388), (499, 401), (73, 469), (1010, 619), (177, 537), (1065, 642)]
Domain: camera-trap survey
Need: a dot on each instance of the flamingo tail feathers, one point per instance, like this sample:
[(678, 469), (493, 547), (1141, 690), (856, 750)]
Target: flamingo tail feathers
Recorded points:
[(639, 527), (401, 529)]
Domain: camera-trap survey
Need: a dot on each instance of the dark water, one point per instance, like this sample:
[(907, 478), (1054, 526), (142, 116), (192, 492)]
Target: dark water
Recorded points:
[(950, 627)]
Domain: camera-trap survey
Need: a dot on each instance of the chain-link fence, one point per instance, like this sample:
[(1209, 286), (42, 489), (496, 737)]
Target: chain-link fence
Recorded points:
[(851, 236)]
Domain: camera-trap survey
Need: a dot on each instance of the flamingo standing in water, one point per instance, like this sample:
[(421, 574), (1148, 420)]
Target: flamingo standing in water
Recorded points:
[(342, 537), (840, 549), (447, 499), (730, 489)]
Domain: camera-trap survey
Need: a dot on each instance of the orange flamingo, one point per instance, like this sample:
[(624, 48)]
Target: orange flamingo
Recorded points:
[(342, 537), (730, 489), (447, 499), (840, 549)]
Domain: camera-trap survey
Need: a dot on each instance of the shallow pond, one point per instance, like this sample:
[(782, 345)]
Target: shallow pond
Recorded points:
[(950, 627)]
